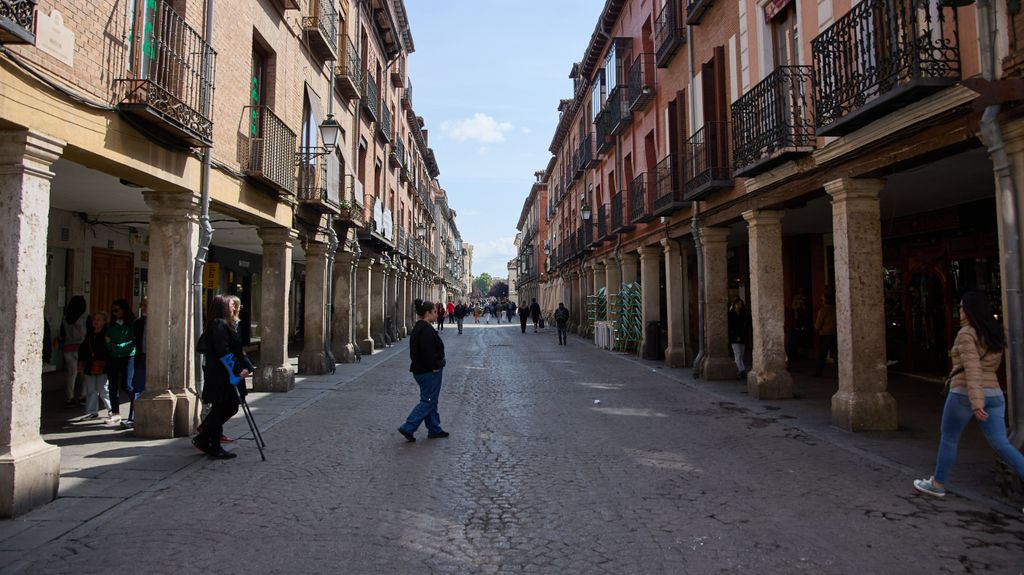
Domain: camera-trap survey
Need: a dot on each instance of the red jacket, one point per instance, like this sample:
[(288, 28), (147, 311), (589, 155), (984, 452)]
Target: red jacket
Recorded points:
[(451, 308)]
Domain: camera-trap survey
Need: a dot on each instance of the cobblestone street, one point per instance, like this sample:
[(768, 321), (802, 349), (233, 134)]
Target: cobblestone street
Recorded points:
[(537, 477)]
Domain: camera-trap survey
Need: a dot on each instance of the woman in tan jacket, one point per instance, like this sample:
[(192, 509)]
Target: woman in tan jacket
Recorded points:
[(973, 390)]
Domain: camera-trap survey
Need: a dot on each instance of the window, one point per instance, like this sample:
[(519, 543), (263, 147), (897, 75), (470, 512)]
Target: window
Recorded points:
[(785, 36), (257, 90), (597, 94)]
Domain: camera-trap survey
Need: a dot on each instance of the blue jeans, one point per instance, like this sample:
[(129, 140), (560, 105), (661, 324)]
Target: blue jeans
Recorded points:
[(426, 410), (563, 333), (955, 417)]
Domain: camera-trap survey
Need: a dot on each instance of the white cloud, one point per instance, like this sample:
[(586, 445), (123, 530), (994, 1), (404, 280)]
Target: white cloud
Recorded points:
[(493, 255), (526, 130), (480, 127)]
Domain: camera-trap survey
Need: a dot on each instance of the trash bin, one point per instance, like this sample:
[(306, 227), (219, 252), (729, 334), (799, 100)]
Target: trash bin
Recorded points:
[(653, 349)]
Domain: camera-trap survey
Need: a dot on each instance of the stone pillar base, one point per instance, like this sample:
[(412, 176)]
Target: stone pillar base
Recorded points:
[(346, 354), (185, 412), (274, 379), (675, 357), (155, 414), (770, 384), (366, 346), (718, 368), (29, 477), (315, 363), (864, 411)]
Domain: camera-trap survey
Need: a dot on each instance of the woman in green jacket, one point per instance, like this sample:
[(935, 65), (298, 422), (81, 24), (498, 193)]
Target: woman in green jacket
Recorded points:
[(121, 340)]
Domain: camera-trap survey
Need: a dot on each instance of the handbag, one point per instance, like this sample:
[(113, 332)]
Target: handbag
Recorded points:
[(949, 380)]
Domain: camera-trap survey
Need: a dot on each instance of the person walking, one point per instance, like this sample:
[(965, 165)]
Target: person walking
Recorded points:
[(973, 391), (92, 357), (535, 313), (476, 312), (499, 310), (739, 326), (138, 382), (510, 310), (562, 323), (74, 326), (524, 315), (460, 315), (825, 327), (220, 339), (121, 341), (439, 314), (426, 350), (451, 311)]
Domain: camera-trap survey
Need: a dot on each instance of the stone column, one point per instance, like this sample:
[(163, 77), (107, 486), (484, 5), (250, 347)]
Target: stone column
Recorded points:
[(274, 373), (650, 288), (342, 328), (313, 360), (364, 271), (675, 275), (862, 402), (29, 467), (167, 407), (717, 363), (391, 308), (377, 284), (404, 304), (599, 276), (768, 377), (630, 266), (612, 282)]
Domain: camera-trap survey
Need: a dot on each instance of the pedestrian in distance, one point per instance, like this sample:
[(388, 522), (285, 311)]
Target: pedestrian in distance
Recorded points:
[(92, 359), (524, 315), (825, 327), (535, 313), (74, 326), (121, 341), (476, 312), (510, 311), (451, 311), (460, 315), (439, 314), (739, 326), (562, 323), (426, 350), (220, 338), (973, 391), (138, 382)]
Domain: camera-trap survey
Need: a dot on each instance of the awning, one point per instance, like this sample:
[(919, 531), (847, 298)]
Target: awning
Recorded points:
[(773, 8), (317, 113)]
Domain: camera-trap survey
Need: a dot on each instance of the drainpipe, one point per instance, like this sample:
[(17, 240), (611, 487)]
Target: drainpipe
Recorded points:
[(205, 229), (698, 361), (332, 247), (992, 136)]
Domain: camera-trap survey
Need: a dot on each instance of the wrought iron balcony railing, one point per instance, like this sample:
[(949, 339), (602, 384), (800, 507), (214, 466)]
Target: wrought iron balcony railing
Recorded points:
[(881, 56), (772, 122), (371, 97), (640, 199), (321, 28), (642, 84), (620, 220), (668, 186), (349, 74), (707, 161), (695, 10), (384, 125), (407, 96), (617, 107), (267, 152), (585, 235), (17, 21), (669, 33), (588, 155), (603, 138), (314, 179), (397, 157), (604, 224), (169, 80)]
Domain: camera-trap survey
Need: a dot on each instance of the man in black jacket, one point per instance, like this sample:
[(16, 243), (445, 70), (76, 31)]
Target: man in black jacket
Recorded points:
[(535, 314), (460, 315), (426, 350), (524, 314)]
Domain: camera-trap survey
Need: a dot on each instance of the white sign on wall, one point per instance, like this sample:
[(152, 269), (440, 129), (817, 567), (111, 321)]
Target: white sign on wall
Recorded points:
[(54, 38)]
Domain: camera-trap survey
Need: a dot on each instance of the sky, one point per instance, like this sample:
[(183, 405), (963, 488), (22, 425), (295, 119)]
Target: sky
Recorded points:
[(487, 76)]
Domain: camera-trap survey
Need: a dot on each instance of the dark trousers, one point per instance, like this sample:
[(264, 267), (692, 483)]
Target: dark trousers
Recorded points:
[(440, 323), (563, 334), (117, 370), (458, 321), (138, 383), (826, 344), (213, 425), (451, 318), (522, 322)]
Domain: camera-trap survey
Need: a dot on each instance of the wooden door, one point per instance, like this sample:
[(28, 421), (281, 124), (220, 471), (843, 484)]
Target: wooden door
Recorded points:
[(112, 275)]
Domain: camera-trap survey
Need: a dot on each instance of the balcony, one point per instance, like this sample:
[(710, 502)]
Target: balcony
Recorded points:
[(371, 97), (407, 96), (772, 124), (604, 224), (585, 235), (318, 180), (668, 191), (669, 33), (603, 132), (17, 21), (641, 199), (350, 212), (641, 82), (707, 161), (321, 28), (384, 125), (617, 108), (620, 223), (588, 154), (397, 156), (880, 56), (349, 73), (267, 152), (169, 80), (695, 10)]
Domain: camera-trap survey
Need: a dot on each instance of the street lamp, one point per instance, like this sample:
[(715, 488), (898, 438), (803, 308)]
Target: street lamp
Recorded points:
[(585, 212), (421, 231), (330, 130)]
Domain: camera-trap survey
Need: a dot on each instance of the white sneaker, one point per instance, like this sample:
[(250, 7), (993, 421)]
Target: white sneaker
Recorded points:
[(114, 419)]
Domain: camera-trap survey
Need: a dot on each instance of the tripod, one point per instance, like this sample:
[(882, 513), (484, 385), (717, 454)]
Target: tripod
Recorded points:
[(229, 362)]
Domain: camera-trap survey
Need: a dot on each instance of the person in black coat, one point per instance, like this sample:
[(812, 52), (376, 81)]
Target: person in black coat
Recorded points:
[(535, 314), (461, 311), (524, 315), (426, 349), (219, 339)]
